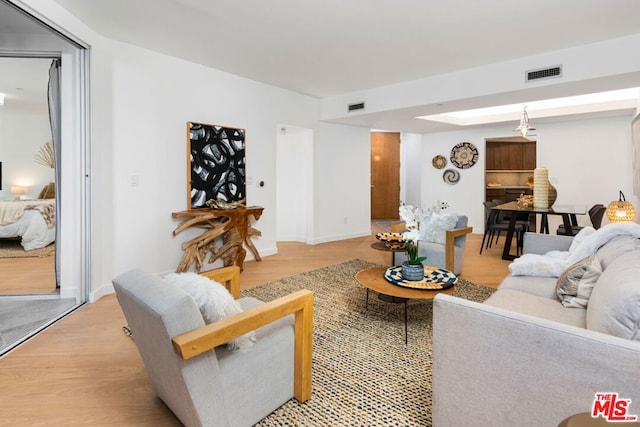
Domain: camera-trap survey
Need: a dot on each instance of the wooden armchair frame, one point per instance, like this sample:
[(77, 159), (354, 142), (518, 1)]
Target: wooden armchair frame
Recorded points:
[(299, 303), (449, 244)]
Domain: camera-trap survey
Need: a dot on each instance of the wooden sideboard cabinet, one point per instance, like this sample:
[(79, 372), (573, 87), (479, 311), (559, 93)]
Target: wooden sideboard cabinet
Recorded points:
[(508, 164), (505, 155)]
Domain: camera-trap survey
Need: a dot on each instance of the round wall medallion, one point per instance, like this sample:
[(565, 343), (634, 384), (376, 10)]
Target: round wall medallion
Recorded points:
[(451, 176), (439, 161), (464, 155)]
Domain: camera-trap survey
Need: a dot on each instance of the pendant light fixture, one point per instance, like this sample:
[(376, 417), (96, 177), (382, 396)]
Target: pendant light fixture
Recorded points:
[(524, 127), (621, 210)]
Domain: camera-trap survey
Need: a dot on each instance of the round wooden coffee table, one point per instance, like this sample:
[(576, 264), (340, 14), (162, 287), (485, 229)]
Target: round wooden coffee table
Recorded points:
[(373, 279)]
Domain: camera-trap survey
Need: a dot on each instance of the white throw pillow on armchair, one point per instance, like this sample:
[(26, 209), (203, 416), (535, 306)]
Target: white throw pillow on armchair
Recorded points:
[(215, 303), (434, 228)]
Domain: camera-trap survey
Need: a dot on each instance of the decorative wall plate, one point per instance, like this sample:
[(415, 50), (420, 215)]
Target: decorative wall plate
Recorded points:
[(464, 155), (451, 176), (439, 162)]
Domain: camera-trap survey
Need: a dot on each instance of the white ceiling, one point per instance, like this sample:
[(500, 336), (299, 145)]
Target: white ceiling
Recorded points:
[(329, 47)]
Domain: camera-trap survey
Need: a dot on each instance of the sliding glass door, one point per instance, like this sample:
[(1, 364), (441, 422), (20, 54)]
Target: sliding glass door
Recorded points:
[(44, 211)]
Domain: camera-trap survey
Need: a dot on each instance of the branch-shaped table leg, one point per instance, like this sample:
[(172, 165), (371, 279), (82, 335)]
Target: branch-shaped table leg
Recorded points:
[(230, 224)]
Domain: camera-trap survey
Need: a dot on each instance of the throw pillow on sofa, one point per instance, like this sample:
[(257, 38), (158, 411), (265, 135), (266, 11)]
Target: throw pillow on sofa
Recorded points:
[(615, 248), (215, 303), (614, 306), (434, 228), (575, 284)]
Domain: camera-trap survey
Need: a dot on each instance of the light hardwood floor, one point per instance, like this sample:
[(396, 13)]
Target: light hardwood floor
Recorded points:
[(27, 275), (84, 371)]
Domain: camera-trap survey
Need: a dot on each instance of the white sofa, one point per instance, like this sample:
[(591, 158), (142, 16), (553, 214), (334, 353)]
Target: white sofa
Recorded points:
[(522, 359)]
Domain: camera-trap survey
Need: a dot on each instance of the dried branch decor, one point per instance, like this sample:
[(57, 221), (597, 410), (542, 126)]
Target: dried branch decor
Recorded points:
[(45, 156)]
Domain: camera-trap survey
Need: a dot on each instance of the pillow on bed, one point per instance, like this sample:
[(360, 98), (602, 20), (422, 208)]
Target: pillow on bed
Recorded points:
[(215, 303)]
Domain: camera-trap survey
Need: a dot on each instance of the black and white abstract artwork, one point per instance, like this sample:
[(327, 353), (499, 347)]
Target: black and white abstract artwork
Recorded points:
[(216, 164)]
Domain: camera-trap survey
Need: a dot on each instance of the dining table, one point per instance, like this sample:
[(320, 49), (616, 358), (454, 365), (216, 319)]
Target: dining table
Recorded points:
[(568, 213)]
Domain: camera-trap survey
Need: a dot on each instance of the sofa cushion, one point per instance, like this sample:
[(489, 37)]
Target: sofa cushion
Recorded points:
[(533, 305), (214, 301), (541, 286), (615, 248), (434, 228), (575, 284), (614, 306)]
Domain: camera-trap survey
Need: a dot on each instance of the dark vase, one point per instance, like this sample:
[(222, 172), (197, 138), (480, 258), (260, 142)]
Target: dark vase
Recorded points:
[(412, 272)]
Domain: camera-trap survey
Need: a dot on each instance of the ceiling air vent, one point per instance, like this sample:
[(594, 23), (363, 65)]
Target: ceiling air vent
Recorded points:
[(543, 73), (358, 106)]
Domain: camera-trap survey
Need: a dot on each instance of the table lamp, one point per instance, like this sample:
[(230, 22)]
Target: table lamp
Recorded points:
[(620, 210), (18, 191)]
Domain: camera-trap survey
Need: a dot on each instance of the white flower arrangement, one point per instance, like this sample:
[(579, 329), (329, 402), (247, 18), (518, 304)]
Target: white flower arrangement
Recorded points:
[(412, 217)]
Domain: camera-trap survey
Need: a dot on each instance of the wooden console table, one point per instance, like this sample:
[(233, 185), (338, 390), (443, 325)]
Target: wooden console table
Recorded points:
[(232, 225)]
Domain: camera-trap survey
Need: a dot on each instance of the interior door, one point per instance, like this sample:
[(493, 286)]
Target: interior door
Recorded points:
[(385, 175)]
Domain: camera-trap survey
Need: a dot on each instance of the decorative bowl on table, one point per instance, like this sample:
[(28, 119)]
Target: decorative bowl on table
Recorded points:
[(391, 240)]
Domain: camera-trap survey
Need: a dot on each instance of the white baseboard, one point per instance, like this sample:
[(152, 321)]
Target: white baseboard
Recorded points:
[(98, 293), (339, 237), (107, 289)]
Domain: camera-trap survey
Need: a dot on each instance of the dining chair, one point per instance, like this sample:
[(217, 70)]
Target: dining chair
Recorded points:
[(596, 213), (494, 225)]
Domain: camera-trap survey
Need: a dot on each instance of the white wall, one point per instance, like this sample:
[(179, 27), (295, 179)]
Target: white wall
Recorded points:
[(22, 135), (342, 182), (467, 195), (588, 162), (154, 96)]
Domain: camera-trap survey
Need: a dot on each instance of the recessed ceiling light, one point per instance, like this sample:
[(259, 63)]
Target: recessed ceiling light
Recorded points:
[(602, 101)]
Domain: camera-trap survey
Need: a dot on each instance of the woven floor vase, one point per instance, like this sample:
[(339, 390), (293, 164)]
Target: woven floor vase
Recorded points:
[(412, 272), (541, 188)]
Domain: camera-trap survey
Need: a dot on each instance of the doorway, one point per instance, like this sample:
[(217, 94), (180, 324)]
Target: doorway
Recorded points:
[(27, 191), (294, 183), (385, 175), (26, 310)]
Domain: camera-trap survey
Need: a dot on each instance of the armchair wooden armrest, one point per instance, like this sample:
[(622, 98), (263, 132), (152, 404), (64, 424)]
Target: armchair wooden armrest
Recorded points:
[(450, 245), (228, 276), (300, 303)]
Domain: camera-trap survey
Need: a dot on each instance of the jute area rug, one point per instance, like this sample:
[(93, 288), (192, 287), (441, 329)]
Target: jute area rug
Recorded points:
[(13, 249), (363, 373)]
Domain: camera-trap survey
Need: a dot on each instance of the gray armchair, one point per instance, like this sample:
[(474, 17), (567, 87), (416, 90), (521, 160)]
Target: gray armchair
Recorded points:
[(449, 255), (201, 381)]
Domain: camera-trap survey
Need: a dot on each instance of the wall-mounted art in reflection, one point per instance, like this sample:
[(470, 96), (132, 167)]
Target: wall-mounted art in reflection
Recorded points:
[(216, 162)]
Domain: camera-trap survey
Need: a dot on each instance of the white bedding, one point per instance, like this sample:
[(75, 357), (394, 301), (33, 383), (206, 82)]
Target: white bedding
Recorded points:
[(32, 228)]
